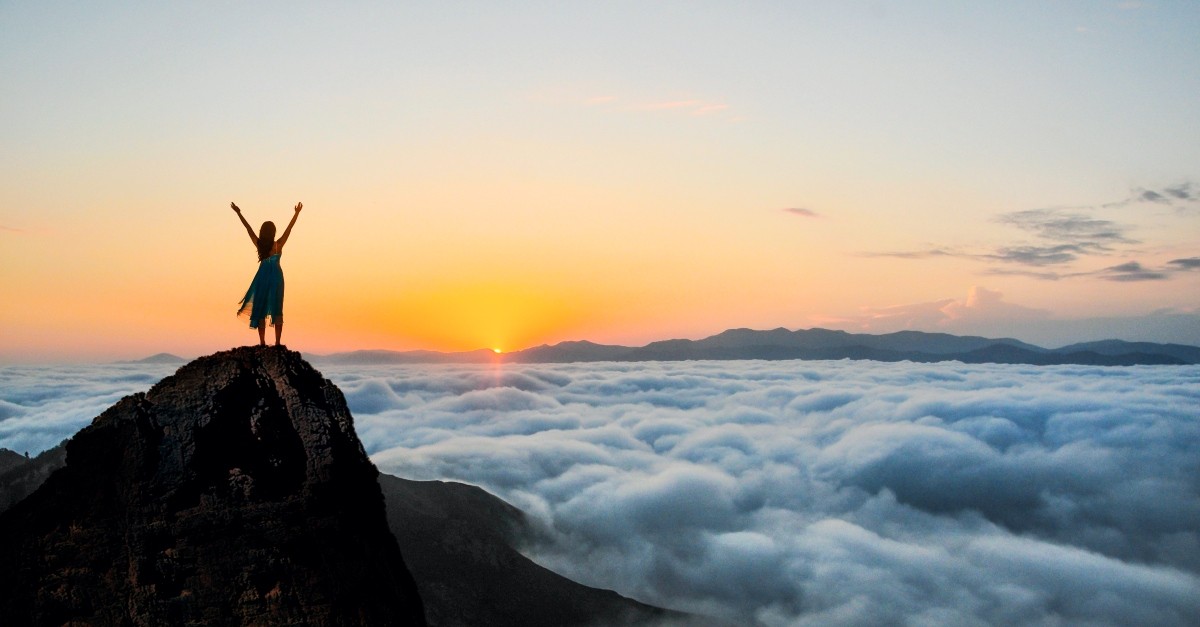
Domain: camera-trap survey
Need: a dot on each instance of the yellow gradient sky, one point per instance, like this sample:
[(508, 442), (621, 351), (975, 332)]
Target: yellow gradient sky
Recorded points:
[(503, 175)]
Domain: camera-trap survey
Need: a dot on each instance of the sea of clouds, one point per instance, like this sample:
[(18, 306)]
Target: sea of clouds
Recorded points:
[(846, 492), (793, 492), (40, 406)]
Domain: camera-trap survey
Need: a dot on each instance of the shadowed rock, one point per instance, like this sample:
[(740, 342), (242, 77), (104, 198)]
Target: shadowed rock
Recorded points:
[(460, 543), (234, 492), (20, 475)]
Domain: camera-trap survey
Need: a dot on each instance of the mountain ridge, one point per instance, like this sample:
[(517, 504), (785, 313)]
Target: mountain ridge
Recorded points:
[(817, 343)]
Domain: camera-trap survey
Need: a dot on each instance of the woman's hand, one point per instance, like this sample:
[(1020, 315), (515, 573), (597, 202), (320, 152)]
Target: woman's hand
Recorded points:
[(299, 206), (235, 208)]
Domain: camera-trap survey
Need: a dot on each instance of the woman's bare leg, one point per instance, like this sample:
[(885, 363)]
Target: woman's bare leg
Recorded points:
[(262, 334), (278, 332)]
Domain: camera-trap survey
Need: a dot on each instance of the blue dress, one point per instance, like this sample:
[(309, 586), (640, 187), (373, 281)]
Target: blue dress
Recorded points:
[(265, 297)]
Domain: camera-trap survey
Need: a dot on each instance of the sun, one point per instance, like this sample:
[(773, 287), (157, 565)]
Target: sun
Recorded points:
[(496, 350)]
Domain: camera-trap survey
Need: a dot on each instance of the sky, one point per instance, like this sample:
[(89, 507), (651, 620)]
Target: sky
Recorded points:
[(789, 493), (502, 175)]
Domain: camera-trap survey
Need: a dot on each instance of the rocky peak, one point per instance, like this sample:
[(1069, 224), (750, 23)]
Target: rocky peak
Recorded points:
[(233, 492)]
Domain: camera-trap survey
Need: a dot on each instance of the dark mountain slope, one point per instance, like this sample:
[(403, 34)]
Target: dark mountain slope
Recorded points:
[(458, 540)]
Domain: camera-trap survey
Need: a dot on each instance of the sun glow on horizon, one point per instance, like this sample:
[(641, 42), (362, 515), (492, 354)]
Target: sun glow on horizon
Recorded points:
[(466, 315)]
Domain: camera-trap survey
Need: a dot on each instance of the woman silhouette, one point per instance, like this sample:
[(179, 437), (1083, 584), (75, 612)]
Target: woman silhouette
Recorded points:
[(265, 296)]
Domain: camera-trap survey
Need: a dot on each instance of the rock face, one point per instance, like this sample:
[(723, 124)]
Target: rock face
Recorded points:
[(234, 492), (20, 476), (460, 544)]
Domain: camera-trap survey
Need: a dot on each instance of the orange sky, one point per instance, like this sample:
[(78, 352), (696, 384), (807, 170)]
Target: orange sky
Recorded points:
[(522, 176)]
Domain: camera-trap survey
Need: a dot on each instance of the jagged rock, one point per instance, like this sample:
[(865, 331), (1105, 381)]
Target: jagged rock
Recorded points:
[(234, 492)]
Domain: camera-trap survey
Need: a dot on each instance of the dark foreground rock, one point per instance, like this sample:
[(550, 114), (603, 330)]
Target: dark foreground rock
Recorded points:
[(234, 492), (460, 543)]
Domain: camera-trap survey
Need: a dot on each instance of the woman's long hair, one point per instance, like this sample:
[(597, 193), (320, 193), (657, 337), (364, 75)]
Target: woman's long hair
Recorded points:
[(266, 239)]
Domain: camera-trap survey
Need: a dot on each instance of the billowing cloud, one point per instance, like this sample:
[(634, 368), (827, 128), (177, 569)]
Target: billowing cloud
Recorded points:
[(41, 406), (983, 304), (799, 492), (782, 493)]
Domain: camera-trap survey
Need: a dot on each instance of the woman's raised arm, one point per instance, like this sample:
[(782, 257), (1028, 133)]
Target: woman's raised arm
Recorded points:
[(253, 237), (288, 230)]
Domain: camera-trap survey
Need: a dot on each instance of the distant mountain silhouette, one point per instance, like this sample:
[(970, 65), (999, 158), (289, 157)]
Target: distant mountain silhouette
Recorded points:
[(781, 343), (159, 358), (1182, 352)]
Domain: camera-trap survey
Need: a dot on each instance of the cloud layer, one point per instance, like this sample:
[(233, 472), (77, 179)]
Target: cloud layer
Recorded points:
[(41, 406), (787, 493), (792, 493)]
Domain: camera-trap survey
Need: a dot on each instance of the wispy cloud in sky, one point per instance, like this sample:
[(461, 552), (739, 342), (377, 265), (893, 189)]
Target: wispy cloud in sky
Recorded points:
[(1131, 271), (1179, 195), (1063, 236), (1043, 275), (917, 254), (1036, 255), (802, 212), (1073, 228)]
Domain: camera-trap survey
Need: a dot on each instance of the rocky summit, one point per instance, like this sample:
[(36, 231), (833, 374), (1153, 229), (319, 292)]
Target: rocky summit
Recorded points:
[(233, 492)]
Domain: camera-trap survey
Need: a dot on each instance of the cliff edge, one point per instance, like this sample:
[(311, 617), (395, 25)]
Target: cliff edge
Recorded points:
[(233, 492)]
